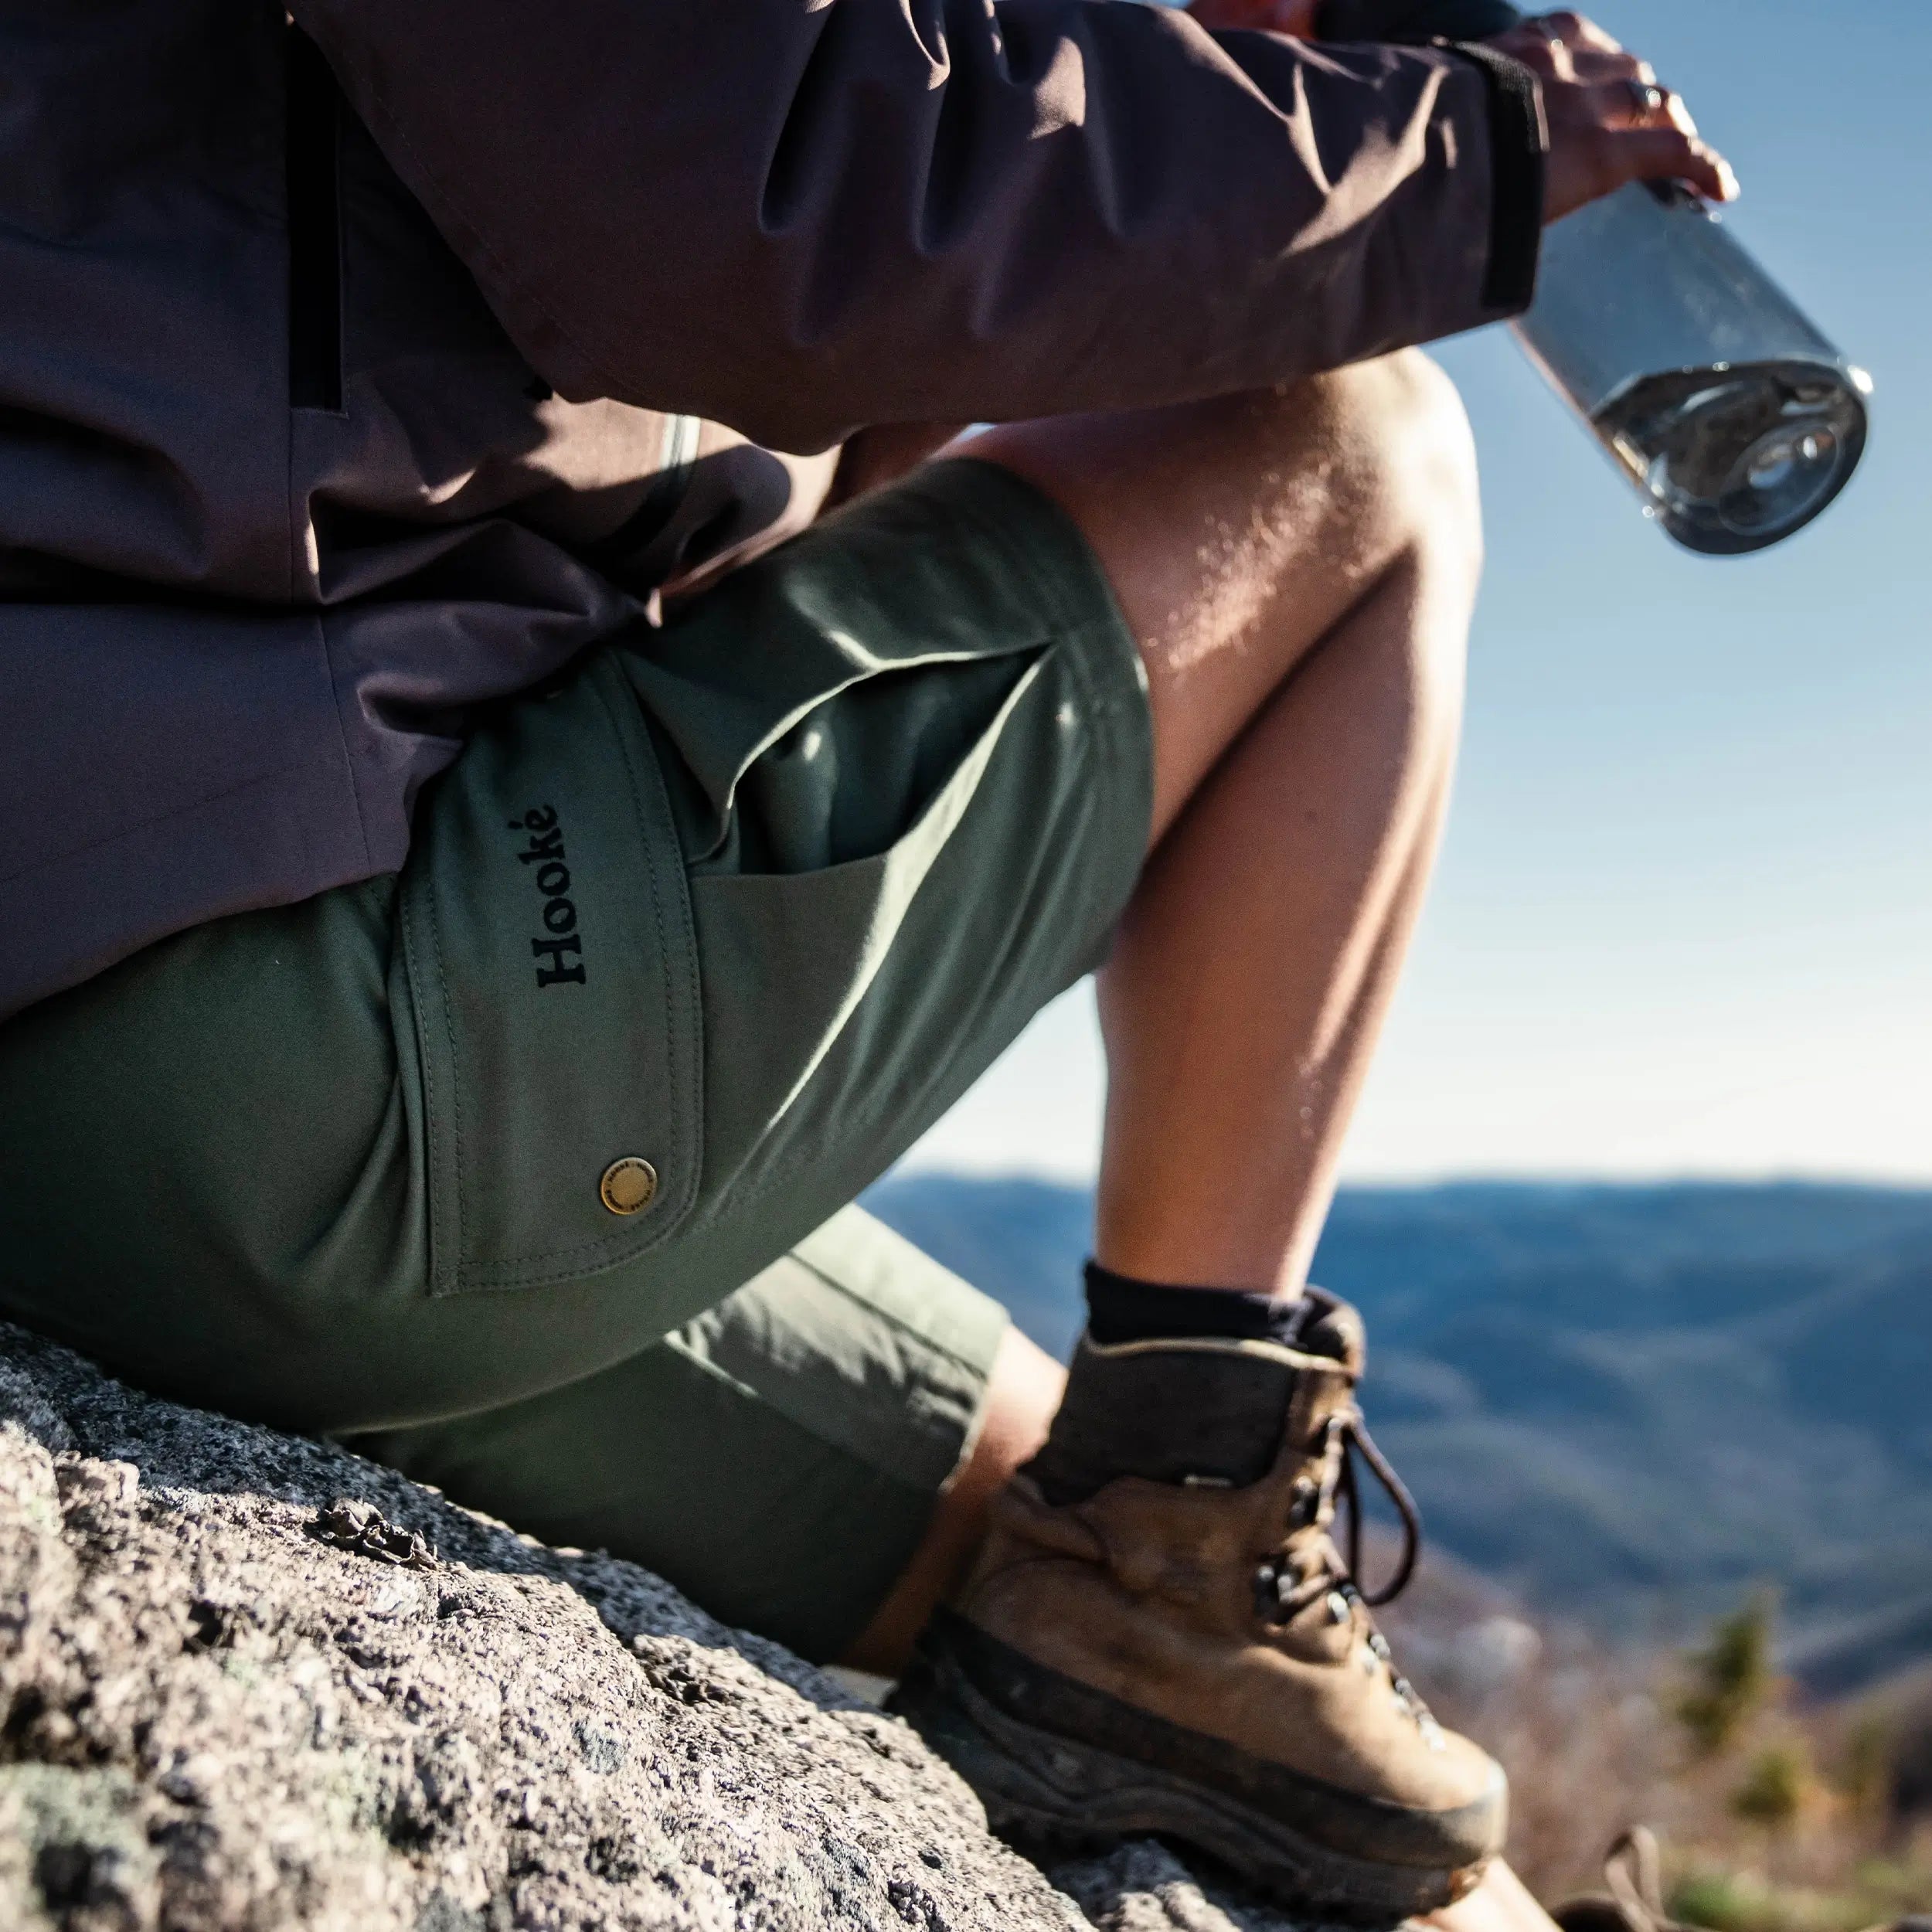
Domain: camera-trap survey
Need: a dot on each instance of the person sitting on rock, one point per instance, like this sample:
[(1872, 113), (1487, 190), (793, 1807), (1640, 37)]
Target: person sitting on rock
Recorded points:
[(479, 907)]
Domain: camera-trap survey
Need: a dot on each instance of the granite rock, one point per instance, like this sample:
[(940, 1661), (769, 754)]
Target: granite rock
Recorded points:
[(249, 1681)]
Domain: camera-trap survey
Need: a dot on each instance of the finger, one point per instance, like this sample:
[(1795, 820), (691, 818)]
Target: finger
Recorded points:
[(1663, 154), (1631, 103), (1577, 33), (1546, 55), (1541, 45), (1589, 65)]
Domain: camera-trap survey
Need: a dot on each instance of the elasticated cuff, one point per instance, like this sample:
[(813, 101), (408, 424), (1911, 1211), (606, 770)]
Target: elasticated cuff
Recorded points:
[(1518, 159), (1518, 131)]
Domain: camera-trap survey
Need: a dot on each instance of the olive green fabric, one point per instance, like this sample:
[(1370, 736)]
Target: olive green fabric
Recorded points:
[(778, 1455), (752, 898)]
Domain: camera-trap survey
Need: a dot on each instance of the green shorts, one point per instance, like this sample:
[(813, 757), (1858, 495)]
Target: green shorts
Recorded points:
[(523, 1170)]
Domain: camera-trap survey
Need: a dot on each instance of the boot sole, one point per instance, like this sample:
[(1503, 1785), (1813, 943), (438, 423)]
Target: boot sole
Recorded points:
[(1060, 1792)]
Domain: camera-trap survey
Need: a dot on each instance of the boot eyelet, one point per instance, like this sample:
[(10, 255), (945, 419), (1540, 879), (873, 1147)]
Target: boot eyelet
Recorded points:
[(1267, 1592)]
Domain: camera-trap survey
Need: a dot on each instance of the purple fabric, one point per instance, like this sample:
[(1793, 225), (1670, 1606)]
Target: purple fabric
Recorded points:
[(249, 604), (803, 216)]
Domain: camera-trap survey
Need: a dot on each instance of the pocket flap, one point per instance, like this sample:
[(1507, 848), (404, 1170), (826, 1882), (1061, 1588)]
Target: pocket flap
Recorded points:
[(548, 938)]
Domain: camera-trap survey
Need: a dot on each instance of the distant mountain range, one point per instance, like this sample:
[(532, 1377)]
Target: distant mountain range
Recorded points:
[(1627, 1405)]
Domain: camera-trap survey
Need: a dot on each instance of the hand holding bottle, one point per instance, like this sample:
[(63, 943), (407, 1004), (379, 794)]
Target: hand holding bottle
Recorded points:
[(1610, 123), (1734, 417)]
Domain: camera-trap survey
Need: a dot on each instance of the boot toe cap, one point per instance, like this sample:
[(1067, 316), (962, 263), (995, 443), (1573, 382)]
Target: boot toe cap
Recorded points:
[(1468, 1818)]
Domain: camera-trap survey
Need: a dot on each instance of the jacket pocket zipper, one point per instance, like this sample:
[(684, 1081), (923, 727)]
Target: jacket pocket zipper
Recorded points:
[(314, 188)]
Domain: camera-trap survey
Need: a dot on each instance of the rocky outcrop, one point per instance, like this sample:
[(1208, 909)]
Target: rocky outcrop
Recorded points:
[(251, 1681)]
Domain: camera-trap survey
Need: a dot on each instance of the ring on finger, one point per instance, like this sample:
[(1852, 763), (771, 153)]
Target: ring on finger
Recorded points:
[(1647, 98)]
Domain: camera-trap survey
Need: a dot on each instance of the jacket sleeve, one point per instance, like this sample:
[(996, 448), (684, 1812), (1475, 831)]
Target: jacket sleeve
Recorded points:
[(801, 216)]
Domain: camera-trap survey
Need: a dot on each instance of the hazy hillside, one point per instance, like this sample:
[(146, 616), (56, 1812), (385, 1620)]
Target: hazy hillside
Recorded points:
[(1627, 1404)]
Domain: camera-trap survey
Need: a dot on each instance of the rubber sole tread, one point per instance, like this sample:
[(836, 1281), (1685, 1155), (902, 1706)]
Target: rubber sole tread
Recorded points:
[(1055, 1794)]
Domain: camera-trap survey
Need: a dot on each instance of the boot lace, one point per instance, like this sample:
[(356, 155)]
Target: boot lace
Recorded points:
[(1633, 1871), (1316, 1502), (1283, 1589)]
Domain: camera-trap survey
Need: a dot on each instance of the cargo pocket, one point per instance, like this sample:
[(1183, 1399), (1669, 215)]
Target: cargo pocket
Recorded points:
[(859, 963), (548, 946)]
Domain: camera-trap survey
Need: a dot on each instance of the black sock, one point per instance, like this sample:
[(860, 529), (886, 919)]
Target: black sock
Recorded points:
[(1120, 1309)]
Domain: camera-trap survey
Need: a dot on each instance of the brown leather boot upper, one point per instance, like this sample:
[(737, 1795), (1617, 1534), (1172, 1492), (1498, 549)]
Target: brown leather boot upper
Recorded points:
[(1212, 1596)]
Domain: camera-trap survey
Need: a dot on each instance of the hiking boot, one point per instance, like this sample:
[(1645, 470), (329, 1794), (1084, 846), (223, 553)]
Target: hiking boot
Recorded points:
[(1161, 1635)]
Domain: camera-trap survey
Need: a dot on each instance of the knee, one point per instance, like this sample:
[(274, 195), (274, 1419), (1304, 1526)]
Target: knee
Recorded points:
[(1415, 459), (1417, 456), (1405, 479), (1383, 452)]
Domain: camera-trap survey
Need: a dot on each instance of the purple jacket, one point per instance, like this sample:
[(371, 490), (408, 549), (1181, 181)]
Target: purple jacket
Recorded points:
[(360, 371)]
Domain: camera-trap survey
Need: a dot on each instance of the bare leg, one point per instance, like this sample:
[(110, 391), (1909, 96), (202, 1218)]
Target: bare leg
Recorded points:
[(1299, 569), (1021, 1398)]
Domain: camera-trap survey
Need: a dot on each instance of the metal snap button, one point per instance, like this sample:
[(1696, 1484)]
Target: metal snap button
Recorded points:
[(628, 1184)]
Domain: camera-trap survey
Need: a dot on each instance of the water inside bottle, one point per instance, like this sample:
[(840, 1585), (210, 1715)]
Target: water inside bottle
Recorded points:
[(1734, 458)]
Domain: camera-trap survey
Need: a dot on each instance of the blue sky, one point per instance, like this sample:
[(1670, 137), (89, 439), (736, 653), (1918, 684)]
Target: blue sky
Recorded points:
[(1684, 919)]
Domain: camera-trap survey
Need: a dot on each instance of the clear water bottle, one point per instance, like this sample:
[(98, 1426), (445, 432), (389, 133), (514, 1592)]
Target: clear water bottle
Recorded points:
[(1735, 418)]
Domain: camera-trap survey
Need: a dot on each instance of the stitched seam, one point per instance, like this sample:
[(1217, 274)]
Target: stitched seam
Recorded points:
[(456, 1075), (885, 1316), (602, 1248), (949, 1428), (342, 730), (1216, 1345), (425, 1062), (842, 1450), (1024, 555), (678, 1346), (686, 1055)]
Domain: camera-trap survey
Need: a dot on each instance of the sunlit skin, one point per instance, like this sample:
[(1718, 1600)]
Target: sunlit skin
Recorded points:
[(1299, 567)]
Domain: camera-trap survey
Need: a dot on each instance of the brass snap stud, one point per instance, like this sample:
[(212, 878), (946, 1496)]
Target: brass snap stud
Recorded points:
[(628, 1184)]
